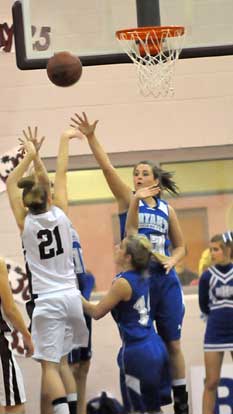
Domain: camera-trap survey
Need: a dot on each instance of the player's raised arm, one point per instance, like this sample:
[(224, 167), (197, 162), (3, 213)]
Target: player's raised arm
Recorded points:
[(14, 195), (39, 167), (120, 190), (60, 184)]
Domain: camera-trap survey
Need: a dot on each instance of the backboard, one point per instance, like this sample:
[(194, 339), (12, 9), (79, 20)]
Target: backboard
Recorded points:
[(87, 28)]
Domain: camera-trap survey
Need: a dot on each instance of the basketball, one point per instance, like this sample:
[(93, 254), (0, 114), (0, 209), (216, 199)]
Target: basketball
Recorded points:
[(64, 69)]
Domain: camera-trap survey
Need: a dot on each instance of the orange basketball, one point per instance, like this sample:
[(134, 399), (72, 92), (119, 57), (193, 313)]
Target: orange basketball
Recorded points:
[(64, 69)]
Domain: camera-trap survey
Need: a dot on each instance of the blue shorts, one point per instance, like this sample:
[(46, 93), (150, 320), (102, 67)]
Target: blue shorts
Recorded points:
[(82, 354), (166, 301), (144, 375)]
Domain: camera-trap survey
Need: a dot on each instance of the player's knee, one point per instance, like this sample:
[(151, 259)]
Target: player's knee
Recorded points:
[(174, 347), (16, 409), (85, 366)]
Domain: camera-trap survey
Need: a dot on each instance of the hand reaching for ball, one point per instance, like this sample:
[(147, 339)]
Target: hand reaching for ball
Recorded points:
[(83, 125)]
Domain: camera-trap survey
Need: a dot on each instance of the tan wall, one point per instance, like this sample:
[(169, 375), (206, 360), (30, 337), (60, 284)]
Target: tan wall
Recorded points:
[(199, 114)]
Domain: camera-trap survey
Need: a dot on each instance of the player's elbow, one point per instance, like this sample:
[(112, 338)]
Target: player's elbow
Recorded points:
[(97, 314)]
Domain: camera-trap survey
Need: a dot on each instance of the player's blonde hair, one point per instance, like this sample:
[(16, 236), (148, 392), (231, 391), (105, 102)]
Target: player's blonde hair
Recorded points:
[(140, 249)]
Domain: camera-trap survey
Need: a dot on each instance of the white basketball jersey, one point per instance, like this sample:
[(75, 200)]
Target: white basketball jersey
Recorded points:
[(47, 242)]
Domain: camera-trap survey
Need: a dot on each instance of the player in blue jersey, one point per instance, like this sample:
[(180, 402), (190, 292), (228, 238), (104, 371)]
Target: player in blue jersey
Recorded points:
[(216, 301), (159, 222), (143, 358), (79, 359)]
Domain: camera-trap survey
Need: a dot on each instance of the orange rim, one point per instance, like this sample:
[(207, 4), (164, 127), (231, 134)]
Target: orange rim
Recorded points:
[(143, 32)]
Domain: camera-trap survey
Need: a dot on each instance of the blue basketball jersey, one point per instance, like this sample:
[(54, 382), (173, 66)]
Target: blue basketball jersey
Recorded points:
[(167, 307), (77, 253), (122, 222), (133, 316), (153, 222)]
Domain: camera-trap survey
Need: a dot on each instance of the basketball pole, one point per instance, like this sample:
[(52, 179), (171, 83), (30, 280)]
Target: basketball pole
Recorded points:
[(148, 13)]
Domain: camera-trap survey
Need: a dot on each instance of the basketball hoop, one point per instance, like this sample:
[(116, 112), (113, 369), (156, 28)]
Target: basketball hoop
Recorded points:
[(154, 51)]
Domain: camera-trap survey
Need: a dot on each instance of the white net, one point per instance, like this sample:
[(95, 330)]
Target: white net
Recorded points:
[(154, 52)]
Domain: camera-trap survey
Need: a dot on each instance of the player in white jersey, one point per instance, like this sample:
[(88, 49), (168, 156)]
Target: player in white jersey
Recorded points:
[(38, 170), (12, 394), (169, 310), (57, 322)]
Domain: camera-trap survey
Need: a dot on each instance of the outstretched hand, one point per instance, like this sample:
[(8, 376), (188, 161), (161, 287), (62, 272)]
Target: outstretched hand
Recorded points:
[(28, 147), (83, 125), (32, 137), (145, 192)]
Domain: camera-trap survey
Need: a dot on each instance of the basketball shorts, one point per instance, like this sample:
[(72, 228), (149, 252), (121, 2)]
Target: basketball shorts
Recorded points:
[(58, 325), (144, 375), (83, 353), (30, 306), (167, 303), (11, 380)]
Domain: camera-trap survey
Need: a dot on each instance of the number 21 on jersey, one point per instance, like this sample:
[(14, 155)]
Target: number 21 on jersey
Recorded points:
[(48, 237)]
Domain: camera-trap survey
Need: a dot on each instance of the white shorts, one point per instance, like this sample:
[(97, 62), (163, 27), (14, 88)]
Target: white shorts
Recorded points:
[(11, 379), (58, 325)]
